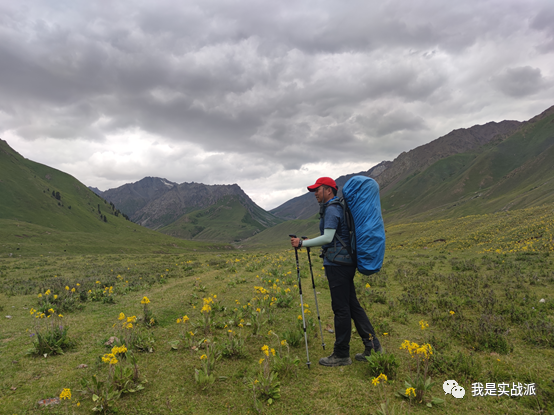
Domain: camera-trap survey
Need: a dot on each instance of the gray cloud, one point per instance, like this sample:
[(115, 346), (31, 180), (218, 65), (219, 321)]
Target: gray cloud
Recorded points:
[(519, 82), (239, 91)]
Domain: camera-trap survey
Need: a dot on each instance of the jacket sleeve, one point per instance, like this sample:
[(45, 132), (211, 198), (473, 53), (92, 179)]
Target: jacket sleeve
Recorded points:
[(326, 238)]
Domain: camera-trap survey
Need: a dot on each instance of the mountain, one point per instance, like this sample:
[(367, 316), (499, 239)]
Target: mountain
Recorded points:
[(44, 210), (96, 190), (511, 172), (132, 197), (388, 173), (232, 218), (192, 210)]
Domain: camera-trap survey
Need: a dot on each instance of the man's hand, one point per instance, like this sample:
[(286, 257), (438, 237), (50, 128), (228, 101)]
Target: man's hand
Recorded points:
[(295, 242)]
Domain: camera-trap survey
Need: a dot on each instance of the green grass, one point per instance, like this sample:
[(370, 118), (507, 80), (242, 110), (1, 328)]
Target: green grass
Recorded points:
[(499, 332), (21, 239)]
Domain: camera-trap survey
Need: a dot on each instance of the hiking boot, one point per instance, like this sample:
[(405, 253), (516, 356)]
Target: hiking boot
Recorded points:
[(334, 360), (361, 357)]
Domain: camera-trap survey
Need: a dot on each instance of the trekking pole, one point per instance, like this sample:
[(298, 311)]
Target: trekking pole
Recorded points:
[(315, 295), (301, 304)]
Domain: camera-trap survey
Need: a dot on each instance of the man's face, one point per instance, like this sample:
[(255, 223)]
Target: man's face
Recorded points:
[(322, 195)]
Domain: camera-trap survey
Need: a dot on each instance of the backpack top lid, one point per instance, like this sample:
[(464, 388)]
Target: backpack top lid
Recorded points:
[(362, 198)]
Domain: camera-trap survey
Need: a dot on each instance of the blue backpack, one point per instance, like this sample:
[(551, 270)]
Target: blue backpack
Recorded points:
[(362, 211)]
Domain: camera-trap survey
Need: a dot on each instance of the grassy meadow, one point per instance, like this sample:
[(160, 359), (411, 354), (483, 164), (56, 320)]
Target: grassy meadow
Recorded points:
[(195, 322)]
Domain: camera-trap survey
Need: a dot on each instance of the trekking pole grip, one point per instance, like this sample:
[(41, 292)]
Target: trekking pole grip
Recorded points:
[(293, 236)]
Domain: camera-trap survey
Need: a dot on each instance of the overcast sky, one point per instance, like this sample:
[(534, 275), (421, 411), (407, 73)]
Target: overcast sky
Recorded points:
[(266, 94)]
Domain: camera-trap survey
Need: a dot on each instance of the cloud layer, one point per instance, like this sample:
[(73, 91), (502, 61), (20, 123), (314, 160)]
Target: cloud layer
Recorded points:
[(269, 94)]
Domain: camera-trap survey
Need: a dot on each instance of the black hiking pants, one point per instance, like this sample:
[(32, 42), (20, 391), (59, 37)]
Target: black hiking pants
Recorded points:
[(346, 307)]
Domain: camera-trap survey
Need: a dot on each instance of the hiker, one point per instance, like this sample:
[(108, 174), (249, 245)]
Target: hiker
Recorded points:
[(344, 302)]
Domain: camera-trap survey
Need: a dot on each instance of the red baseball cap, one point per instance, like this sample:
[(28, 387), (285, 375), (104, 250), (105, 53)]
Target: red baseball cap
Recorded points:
[(323, 180)]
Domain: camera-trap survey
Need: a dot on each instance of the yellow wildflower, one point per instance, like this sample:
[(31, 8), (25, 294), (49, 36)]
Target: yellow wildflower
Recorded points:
[(410, 391), (145, 300), (66, 394), (203, 357), (121, 316)]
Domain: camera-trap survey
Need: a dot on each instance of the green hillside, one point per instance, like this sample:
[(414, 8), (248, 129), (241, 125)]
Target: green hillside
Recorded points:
[(227, 220), (277, 237), (29, 192), (43, 210), (511, 174)]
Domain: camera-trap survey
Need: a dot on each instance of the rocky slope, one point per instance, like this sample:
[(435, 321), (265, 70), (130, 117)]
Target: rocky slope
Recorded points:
[(132, 197)]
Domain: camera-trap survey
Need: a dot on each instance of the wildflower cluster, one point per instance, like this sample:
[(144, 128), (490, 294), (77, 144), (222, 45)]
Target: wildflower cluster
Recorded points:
[(127, 322), (418, 386), (206, 306), (148, 318), (111, 358), (266, 385), (66, 299), (65, 394), (415, 349), (381, 378), (50, 336), (423, 324), (204, 376), (206, 311)]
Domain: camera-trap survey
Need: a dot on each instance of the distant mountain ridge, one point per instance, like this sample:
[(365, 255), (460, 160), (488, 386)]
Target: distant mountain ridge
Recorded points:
[(162, 205), (389, 173), (132, 197)]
